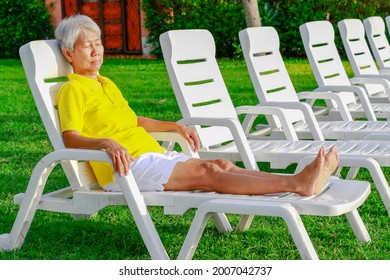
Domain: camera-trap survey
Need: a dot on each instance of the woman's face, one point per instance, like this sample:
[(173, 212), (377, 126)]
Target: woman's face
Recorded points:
[(87, 56)]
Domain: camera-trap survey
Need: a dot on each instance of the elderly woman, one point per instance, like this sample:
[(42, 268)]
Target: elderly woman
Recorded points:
[(94, 115)]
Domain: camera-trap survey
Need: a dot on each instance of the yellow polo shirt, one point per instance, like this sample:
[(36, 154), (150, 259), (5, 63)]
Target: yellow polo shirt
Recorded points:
[(97, 109)]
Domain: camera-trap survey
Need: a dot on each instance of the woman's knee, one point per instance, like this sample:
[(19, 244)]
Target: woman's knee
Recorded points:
[(213, 168), (224, 164), (209, 168)]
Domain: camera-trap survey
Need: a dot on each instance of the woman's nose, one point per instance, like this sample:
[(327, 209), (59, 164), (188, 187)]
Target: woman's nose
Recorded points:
[(94, 50)]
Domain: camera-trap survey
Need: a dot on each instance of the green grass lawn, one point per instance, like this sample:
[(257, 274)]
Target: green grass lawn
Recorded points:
[(112, 233)]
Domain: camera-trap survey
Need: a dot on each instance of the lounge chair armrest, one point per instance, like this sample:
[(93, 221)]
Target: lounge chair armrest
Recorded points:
[(45, 165), (76, 154), (252, 112), (237, 132), (385, 75), (370, 79), (326, 95), (170, 138), (68, 159), (307, 112), (365, 79), (358, 91)]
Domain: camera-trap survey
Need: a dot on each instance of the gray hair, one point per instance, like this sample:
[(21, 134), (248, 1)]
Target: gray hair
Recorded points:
[(69, 29)]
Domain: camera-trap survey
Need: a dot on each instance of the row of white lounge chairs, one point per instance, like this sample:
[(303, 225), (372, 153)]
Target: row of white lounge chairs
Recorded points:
[(294, 133)]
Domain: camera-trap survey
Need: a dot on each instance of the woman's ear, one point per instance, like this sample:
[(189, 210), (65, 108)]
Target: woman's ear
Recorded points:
[(68, 54)]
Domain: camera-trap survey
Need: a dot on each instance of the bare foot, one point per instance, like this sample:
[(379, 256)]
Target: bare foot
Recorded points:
[(332, 159), (330, 165), (308, 180)]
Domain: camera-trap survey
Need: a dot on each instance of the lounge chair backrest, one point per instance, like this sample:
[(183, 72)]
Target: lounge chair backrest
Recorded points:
[(376, 35), (358, 52), (46, 69), (318, 41), (197, 81), (269, 76), (359, 55)]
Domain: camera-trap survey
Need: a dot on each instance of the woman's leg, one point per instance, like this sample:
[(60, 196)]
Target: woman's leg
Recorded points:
[(222, 177)]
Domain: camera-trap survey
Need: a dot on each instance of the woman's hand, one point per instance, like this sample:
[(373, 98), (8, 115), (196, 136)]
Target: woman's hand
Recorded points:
[(120, 157), (152, 125), (190, 135)]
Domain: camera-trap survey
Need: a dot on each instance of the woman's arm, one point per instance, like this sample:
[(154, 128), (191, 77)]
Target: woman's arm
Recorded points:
[(152, 125), (118, 154)]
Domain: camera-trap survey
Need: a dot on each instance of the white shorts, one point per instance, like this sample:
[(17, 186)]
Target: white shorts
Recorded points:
[(152, 170)]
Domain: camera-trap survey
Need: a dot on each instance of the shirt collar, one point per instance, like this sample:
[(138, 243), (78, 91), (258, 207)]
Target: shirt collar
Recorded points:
[(91, 83)]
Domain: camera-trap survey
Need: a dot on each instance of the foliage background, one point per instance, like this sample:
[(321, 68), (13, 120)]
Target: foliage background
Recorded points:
[(222, 18), (225, 18), (22, 21)]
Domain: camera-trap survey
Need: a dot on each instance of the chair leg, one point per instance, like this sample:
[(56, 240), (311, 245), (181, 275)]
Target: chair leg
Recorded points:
[(222, 223), (285, 211), (245, 222), (358, 226), (139, 211), (380, 181), (352, 173), (27, 210)]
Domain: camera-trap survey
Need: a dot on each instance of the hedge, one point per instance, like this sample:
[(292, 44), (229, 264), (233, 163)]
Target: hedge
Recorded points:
[(22, 21), (225, 18)]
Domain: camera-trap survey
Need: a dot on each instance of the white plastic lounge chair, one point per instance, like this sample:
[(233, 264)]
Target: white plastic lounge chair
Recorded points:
[(376, 36), (363, 64), (45, 68), (273, 87), (204, 102), (44, 64), (325, 62)]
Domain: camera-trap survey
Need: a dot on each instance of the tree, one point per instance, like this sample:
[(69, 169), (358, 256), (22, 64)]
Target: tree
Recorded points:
[(252, 15), (22, 21)]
